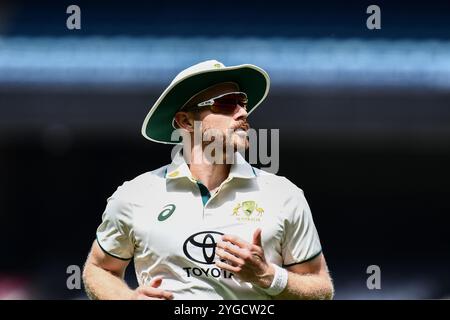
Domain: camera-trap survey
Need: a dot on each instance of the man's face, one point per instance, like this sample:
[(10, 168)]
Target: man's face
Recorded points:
[(233, 127)]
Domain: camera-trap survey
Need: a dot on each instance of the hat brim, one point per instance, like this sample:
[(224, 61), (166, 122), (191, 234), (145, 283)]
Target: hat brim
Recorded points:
[(251, 79)]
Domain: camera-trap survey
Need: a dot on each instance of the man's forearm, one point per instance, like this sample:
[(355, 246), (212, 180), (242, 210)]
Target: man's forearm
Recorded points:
[(103, 285), (307, 286)]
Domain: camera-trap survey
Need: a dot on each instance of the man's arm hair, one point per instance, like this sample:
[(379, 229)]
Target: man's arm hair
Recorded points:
[(103, 276), (308, 280)]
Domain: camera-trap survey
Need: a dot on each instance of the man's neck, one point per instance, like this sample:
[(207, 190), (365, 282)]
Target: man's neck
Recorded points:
[(210, 174)]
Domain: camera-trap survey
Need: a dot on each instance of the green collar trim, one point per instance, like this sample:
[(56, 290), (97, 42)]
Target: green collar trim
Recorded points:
[(204, 192)]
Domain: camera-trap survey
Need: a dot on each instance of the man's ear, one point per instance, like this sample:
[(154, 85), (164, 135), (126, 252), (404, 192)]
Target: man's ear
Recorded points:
[(184, 120)]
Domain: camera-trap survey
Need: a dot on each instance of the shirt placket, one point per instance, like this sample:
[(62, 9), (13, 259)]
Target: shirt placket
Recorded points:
[(207, 198)]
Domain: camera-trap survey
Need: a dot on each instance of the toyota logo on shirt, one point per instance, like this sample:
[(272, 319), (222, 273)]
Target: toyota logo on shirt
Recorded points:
[(201, 246)]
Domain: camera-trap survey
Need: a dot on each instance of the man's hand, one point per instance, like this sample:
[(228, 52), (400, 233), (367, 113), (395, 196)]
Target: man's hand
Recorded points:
[(245, 260), (151, 291)]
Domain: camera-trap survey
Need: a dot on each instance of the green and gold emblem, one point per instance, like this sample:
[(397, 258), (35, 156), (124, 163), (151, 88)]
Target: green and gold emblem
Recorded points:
[(247, 207)]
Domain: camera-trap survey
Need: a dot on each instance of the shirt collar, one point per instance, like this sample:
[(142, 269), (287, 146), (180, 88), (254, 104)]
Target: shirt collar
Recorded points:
[(178, 168)]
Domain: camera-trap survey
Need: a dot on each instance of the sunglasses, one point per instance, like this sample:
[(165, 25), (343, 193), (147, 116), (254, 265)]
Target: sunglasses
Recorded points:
[(225, 104)]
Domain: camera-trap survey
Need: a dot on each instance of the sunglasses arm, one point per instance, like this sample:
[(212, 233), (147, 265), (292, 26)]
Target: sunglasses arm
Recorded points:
[(206, 103)]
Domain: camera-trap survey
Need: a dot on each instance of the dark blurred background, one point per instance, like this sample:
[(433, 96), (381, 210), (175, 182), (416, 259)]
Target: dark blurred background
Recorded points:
[(364, 119)]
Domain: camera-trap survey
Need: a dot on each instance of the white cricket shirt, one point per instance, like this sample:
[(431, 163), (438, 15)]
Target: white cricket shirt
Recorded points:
[(169, 224)]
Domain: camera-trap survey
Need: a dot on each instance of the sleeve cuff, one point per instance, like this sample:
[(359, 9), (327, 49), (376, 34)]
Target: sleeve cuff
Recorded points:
[(303, 261), (110, 254)]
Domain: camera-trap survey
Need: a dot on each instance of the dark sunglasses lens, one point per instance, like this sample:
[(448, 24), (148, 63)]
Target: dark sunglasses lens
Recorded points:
[(225, 108), (232, 99), (231, 102)]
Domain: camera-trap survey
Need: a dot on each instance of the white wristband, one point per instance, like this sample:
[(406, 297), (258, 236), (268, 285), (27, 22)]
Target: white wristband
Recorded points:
[(279, 281)]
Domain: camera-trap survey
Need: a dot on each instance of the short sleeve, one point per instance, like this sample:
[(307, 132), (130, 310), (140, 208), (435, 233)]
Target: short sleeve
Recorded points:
[(301, 241), (115, 234)]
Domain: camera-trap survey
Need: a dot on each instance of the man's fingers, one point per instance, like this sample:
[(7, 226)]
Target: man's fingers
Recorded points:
[(144, 297), (232, 259), (236, 241), (236, 251), (152, 289), (156, 293), (257, 238), (156, 282), (225, 266), (167, 295)]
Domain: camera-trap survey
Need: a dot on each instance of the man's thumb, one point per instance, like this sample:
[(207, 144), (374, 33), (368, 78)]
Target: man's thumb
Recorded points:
[(156, 282), (257, 237)]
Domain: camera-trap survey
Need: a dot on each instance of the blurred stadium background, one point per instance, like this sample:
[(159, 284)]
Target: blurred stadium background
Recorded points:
[(364, 119)]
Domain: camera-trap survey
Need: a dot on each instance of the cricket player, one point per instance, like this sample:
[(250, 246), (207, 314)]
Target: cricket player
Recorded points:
[(208, 227)]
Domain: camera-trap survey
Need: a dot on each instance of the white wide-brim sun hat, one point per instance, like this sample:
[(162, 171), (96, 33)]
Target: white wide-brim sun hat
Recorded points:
[(252, 80)]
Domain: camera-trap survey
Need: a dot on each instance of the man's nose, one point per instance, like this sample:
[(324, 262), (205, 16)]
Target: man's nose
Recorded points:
[(240, 114)]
